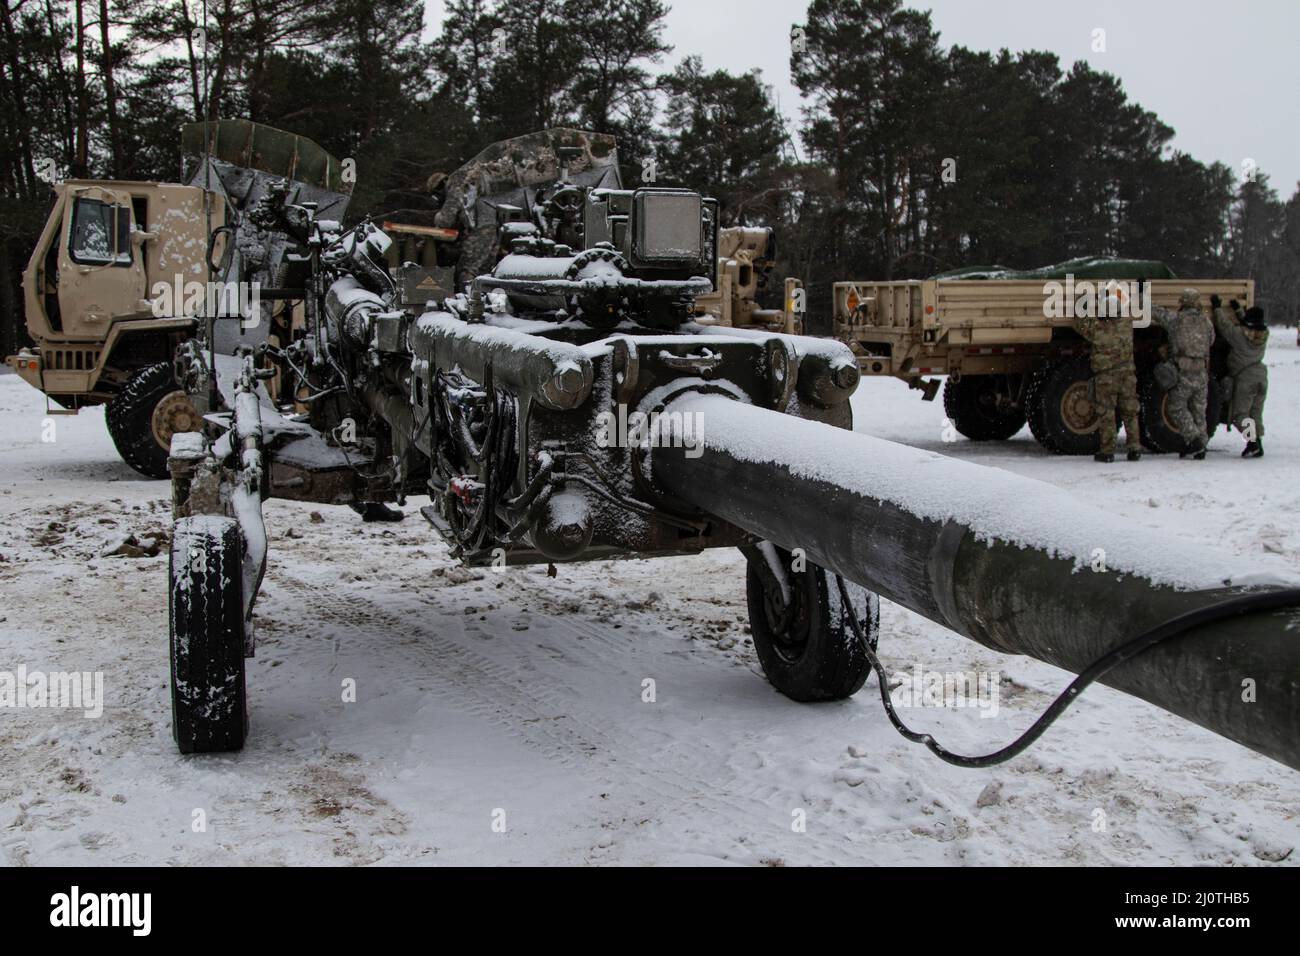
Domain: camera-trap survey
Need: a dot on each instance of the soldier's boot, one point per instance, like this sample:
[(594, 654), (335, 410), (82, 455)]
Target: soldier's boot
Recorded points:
[(1104, 457), (376, 511), (1195, 449), (1135, 454), (1254, 449)]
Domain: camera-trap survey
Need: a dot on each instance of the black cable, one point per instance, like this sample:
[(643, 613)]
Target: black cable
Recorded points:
[(1175, 627)]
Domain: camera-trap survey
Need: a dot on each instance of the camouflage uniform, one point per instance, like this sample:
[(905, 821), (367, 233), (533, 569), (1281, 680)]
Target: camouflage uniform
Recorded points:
[(510, 173), (1246, 366), (1190, 333), (1114, 378)]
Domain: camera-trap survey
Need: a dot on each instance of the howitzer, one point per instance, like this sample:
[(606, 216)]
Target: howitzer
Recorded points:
[(565, 407)]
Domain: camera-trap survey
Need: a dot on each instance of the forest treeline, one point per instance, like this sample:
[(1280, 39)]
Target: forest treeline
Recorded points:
[(910, 157)]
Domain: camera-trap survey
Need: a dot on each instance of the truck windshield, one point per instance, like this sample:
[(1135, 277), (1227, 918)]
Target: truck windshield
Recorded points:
[(101, 234)]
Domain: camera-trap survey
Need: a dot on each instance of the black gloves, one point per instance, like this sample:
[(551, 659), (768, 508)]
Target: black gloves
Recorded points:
[(1215, 302)]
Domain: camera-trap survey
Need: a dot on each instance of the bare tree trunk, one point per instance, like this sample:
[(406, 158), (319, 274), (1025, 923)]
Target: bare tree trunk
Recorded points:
[(10, 311), (24, 174), (65, 90), (256, 81), (81, 158), (193, 60), (887, 194), (110, 92), (217, 87)]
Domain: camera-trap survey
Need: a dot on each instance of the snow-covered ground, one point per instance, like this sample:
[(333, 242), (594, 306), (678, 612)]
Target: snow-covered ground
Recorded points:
[(515, 698)]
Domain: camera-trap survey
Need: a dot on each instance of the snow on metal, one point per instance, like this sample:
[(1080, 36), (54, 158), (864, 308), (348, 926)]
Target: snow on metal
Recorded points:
[(994, 504)]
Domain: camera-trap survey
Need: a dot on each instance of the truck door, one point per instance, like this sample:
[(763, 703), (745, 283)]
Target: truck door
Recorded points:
[(101, 272)]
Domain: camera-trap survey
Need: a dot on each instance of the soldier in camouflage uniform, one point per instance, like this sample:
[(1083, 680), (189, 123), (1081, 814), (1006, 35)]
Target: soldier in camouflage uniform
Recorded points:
[(1247, 335), (1114, 381), (1190, 333), (505, 179)]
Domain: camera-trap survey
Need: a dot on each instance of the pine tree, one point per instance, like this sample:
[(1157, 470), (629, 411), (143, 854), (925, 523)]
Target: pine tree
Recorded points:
[(724, 139)]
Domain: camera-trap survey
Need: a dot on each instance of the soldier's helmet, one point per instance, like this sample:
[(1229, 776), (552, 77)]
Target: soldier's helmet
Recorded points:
[(1190, 299), (1113, 300), (1254, 318)]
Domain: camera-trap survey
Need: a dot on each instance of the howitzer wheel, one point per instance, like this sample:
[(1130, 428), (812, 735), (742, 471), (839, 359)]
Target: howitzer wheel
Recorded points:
[(801, 632), (209, 702)]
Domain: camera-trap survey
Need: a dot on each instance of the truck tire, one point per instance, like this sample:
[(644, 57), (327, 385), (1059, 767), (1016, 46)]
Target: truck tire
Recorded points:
[(971, 404), (1158, 432), (143, 417), (206, 610), (1061, 415), (807, 648)]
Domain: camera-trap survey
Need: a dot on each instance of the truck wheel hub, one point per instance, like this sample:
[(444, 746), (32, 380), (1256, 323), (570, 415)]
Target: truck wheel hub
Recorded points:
[(173, 414), (1164, 413), (1077, 410)]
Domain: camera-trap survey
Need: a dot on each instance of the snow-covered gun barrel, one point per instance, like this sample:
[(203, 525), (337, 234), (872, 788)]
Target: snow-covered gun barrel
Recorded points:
[(1015, 564), (565, 406)]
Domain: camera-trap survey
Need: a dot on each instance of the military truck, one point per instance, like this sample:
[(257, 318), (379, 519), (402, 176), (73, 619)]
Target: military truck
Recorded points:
[(746, 256), (110, 289), (1005, 343)]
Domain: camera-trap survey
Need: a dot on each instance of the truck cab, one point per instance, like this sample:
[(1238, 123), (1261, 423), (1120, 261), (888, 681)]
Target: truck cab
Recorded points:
[(87, 286), (119, 278)]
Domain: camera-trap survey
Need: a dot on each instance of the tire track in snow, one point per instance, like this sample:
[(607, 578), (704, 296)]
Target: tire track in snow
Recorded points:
[(688, 784)]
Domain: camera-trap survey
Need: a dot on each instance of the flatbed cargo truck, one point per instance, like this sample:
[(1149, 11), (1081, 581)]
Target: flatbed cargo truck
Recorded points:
[(1008, 349)]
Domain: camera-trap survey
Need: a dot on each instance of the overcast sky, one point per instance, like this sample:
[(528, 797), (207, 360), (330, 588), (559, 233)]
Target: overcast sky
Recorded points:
[(1225, 74)]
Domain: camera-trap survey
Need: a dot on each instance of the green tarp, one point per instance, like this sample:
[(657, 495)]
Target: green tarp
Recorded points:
[(1085, 267), (252, 145)]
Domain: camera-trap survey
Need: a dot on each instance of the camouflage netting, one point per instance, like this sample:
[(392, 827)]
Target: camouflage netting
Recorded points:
[(511, 171), (504, 181), (1085, 267)]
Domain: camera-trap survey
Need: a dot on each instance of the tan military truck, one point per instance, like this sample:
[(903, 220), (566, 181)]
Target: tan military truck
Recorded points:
[(121, 273), (89, 311), (746, 255), (1005, 343)]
